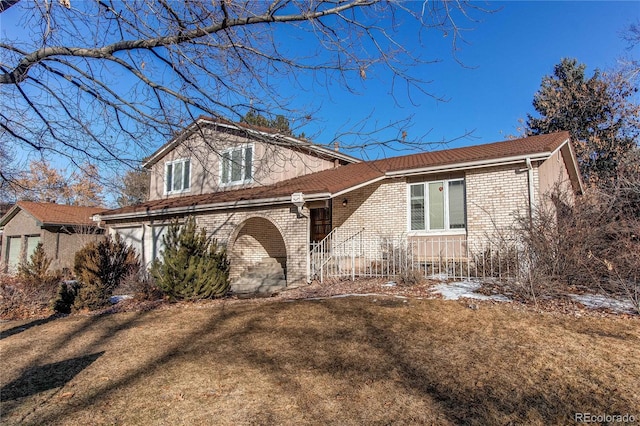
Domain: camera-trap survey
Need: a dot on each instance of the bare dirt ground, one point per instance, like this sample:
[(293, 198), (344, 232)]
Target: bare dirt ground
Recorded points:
[(379, 359)]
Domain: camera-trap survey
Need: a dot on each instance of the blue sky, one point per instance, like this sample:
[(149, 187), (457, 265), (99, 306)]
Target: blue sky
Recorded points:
[(505, 58)]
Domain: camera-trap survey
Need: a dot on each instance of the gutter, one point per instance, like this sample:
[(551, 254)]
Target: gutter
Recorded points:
[(211, 207), (328, 195), (353, 188), (469, 165), (531, 186)]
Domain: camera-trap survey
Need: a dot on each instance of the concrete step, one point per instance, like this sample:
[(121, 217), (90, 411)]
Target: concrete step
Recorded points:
[(265, 269), (269, 260), (257, 275), (263, 278), (259, 282), (257, 286)]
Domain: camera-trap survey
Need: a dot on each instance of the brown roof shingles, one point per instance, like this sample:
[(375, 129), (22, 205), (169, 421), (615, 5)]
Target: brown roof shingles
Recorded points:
[(60, 214), (497, 150), (342, 178)]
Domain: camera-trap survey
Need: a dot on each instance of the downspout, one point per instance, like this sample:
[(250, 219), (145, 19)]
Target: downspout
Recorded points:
[(531, 187), (307, 250)]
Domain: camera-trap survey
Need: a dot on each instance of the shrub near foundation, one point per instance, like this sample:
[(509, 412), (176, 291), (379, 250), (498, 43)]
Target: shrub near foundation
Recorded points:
[(100, 267), (35, 272), (193, 266)]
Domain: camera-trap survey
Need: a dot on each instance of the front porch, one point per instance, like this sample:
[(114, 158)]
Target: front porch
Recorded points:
[(351, 253)]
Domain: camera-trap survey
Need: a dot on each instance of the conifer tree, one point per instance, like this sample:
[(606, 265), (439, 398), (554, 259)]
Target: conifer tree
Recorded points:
[(100, 267), (35, 272), (598, 112), (193, 266)]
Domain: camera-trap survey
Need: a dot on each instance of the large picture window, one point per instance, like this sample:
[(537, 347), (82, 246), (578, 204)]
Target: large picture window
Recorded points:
[(437, 206), (178, 176), (237, 165)]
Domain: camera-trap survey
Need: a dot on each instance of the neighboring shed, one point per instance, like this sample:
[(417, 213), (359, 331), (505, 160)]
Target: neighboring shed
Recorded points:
[(61, 229)]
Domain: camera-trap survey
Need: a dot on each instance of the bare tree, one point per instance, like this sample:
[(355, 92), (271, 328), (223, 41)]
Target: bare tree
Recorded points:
[(45, 183), (631, 66), (105, 81), (134, 188)]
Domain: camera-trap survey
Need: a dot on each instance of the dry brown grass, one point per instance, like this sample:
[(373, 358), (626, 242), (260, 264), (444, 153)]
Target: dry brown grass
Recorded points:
[(358, 360)]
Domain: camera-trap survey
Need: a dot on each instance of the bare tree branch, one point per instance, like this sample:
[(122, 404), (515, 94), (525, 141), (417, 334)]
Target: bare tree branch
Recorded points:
[(110, 81)]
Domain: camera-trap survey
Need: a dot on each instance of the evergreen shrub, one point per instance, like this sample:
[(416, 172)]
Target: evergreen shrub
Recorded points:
[(192, 266), (100, 267)]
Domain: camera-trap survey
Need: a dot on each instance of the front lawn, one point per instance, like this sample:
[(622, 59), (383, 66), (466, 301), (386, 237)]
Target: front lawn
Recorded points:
[(353, 360)]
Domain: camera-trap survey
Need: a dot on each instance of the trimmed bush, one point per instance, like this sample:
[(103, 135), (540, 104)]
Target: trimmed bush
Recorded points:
[(100, 267), (193, 266)]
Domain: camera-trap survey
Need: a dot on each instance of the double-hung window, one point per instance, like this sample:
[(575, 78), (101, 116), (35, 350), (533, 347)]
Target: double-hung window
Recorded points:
[(177, 176), (236, 165), (437, 206)]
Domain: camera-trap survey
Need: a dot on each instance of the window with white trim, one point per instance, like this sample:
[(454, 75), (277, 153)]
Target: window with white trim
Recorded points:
[(236, 165), (177, 176), (437, 206)]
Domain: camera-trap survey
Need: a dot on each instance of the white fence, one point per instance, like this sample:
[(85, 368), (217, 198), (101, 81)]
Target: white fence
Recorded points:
[(355, 254)]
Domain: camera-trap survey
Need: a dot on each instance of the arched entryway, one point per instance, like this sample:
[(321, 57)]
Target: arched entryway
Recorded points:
[(258, 256)]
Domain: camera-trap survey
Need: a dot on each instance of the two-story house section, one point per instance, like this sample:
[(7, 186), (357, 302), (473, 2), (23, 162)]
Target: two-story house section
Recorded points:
[(215, 155), (287, 209), (216, 165)]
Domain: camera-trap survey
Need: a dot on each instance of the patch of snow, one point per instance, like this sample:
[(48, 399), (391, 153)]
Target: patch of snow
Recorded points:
[(439, 277), (466, 289), (597, 301), (389, 284), (115, 299)]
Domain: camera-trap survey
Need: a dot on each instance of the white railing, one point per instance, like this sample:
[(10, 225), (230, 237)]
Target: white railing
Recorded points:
[(355, 254), (339, 243)]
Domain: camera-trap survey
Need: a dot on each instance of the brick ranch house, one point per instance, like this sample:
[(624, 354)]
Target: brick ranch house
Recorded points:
[(277, 201), (61, 229)]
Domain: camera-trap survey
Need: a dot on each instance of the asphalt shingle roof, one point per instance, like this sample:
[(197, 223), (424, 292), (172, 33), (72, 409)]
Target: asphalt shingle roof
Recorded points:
[(346, 177), (59, 214)]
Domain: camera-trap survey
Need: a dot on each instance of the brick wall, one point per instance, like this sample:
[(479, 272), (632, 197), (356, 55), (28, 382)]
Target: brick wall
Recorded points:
[(495, 196), (379, 208), (253, 233), (256, 239)]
